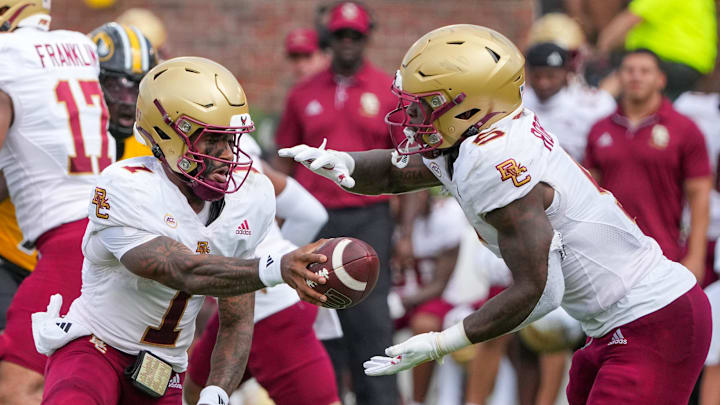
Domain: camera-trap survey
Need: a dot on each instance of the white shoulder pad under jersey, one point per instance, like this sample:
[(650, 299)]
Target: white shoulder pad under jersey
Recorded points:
[(58, 141), (135, 194), (441, 229)]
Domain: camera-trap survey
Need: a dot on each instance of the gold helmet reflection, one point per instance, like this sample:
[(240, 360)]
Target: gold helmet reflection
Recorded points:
[(13, 12), (185, 98), (468, 75), (148, 23), (559, 29)]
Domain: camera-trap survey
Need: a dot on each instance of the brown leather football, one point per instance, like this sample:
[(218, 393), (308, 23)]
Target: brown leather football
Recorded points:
[(351, 270)]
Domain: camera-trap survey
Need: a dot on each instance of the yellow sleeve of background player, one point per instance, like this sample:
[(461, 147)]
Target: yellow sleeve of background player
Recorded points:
[(11, 237), (133, 148)]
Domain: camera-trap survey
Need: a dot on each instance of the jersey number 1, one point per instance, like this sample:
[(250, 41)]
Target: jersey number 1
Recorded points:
[(167, 333), (81, 162)]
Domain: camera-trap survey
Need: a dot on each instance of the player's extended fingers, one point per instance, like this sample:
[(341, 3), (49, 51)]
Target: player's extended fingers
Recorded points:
[(345, 180), (308, 294), (397, 350), (305, 274), (292, 151), (308, 155), (325, 161)]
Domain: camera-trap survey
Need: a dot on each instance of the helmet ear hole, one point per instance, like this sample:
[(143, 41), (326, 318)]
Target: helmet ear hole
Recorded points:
[(161, 133), (159, 73), (467, 114), (494, 54)]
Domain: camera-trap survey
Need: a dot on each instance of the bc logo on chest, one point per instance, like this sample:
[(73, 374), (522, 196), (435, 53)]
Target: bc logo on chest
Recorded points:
[(512, 170), (203, 247)]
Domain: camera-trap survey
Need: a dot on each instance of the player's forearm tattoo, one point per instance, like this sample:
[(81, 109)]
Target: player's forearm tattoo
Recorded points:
[(171, 263), (524, 235), (375, 174), (230, 354)]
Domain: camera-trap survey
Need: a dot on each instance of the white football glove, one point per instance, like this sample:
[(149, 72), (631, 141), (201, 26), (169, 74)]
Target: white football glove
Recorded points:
[(334, 165), (213, 395), (417, 350)]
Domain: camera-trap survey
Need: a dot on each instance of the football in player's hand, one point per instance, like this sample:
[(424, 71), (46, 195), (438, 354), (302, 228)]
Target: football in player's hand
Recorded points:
[(351, 271)]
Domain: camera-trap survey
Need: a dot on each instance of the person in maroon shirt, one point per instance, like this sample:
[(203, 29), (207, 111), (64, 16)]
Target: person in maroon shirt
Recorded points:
[(303, 53), (346, 104), (653, 159)]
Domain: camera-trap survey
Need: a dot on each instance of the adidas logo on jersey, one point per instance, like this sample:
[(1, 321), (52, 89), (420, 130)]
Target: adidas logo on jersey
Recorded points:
[(175, 382), (243, 229), (618, 339)]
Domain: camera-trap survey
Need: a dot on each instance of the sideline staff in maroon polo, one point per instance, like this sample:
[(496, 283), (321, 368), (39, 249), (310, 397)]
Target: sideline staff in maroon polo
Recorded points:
[(347, 104), (652, 159)]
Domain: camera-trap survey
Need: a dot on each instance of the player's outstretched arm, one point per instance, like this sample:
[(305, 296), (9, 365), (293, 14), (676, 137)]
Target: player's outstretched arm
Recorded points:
[(525, 237), (375, 174), (231, 351), (532, 251), (171, 263), (370, 172)]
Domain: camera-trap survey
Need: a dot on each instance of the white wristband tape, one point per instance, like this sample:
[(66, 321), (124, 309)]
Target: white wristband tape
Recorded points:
[(452, 339), (213, 395), (270, 270)]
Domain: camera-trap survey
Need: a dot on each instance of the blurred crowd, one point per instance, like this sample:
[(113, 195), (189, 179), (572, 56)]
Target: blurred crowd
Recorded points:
[(625, 85)]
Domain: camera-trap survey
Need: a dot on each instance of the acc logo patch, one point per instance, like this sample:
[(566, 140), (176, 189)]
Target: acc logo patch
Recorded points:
[(435, 168), (369, 103), (660, 137), (511, 170), (170, 221)]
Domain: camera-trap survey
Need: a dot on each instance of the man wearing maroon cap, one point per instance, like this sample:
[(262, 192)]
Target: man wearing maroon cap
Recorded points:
[(652, 159), (346, 104), (306, 58)]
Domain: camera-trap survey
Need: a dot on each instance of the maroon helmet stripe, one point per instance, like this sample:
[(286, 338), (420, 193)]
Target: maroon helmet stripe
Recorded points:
[(17, 13)]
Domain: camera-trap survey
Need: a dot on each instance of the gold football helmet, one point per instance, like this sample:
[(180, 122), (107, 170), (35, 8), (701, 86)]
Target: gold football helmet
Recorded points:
[(12, 12), (559, 29), (452, 80), (148, 23), (184, 99)]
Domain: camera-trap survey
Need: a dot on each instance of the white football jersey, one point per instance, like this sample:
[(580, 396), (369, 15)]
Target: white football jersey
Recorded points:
[(440, 230), (135, 202), (704, 110), (58, 142), (613, 273), (570, 114)]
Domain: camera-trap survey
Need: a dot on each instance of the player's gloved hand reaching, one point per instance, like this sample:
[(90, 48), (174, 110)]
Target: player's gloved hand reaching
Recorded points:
[(213, 395), (334, 165), (417, 350)]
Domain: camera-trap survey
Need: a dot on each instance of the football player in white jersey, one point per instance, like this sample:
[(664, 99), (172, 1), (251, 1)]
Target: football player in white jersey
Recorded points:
[(164, 231), (566, 241), (53, 145), (566, 111)]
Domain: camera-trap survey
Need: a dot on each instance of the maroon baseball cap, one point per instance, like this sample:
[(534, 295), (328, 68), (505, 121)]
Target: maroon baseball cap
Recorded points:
[(349, 15), (301, 41)]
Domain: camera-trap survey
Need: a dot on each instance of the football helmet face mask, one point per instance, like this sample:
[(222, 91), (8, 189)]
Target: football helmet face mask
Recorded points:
[(189, 102), (15, 12), (125, 56), (453, 82)]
